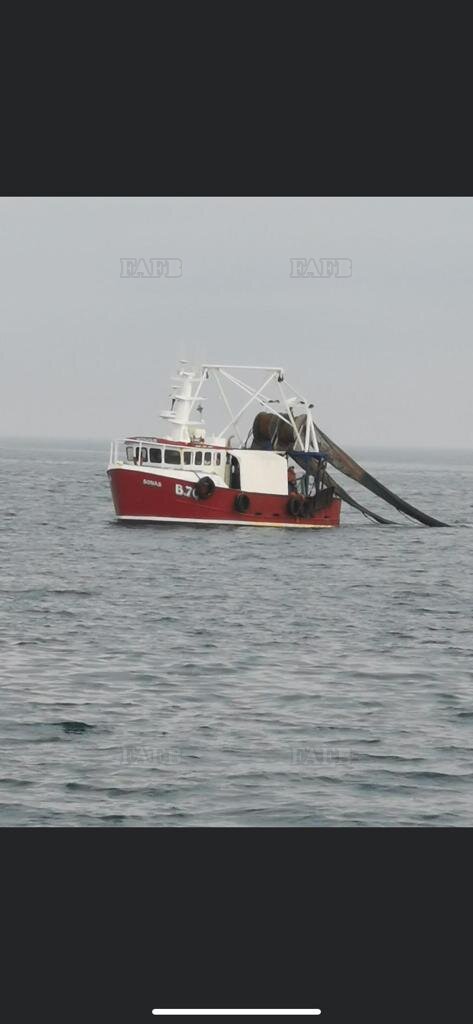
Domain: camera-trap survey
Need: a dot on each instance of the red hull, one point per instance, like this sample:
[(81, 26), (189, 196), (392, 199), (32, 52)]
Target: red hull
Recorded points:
[(141, 495)]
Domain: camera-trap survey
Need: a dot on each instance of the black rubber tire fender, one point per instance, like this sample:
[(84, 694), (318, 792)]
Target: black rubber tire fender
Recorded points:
[(205, 487), (242, 502), (295, 505)]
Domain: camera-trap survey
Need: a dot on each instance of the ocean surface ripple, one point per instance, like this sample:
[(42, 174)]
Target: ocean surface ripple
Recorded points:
[(177, 676)]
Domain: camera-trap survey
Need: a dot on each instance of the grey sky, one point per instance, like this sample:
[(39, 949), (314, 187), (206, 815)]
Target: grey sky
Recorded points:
[(386, 355)]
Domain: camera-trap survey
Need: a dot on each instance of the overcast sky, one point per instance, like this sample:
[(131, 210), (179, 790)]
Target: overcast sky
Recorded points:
[(386, 354)]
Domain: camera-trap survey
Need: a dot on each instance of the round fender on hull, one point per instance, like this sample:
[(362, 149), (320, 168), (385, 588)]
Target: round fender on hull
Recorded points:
[(204, 488), (295, 505), (242, 502)]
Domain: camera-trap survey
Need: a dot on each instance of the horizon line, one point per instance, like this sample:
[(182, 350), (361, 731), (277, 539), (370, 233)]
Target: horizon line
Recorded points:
[(356, 444)]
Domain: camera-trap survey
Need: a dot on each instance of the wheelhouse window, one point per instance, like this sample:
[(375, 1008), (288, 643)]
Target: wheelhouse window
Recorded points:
[(129, 453), (217, 459), (198, 459), (208, 458), (141, 455), (155, 455), (187, 458), (172, 456)]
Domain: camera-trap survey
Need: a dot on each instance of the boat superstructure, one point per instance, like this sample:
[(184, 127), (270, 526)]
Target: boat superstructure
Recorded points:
[(271, 474)]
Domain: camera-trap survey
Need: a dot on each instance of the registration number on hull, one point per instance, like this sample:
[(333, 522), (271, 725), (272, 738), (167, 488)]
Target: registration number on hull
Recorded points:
[(185, 491)]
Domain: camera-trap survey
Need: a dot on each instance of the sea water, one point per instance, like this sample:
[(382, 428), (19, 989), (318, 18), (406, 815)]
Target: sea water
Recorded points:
[(178, 675)]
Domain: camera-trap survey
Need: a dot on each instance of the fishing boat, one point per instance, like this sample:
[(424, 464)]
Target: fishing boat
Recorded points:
[(271, 472)]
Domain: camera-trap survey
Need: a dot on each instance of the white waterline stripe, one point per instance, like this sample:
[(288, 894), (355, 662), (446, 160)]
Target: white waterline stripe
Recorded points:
[(228, 522), (238, 1013)]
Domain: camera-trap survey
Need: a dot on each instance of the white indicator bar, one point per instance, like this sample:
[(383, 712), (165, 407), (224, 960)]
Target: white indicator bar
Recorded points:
[(238, 1013)]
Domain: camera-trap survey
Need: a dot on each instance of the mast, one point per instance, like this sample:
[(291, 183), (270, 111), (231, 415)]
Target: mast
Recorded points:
[(185, 394)]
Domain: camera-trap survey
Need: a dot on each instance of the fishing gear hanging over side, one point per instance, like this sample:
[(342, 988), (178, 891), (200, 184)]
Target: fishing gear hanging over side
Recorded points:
[(312, 466), (277, 433), (349, 500), (345, 464)]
